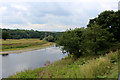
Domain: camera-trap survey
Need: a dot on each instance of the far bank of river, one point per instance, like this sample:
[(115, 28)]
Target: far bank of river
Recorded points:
[(13, 63), (28, 49)]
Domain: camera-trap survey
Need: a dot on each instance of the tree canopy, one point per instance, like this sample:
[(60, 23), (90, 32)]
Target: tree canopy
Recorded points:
[(100, 35), (110, 20), (5, 35), (97, 39), (26, 34), (71, 40)]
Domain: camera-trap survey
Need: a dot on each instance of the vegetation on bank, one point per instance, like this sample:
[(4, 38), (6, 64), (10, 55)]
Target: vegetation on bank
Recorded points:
[(17, 44), (28, 34), (104, 66), (101, 36)]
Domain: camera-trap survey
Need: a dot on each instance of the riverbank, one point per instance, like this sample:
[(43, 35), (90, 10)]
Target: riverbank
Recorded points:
[(85, 67), (22, 45)]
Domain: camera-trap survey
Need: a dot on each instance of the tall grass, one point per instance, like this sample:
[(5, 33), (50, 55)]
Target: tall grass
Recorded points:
[(98, 67)]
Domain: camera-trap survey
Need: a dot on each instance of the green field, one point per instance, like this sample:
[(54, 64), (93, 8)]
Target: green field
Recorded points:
[(104, 66), (18, 44)]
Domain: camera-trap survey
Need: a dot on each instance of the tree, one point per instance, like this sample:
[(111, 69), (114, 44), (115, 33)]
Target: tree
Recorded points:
[(20, 34), (71, 42), (114, 22), (102, 19), (97, 39), (49, 38), (5, 35), (41, 37), (109, 20)]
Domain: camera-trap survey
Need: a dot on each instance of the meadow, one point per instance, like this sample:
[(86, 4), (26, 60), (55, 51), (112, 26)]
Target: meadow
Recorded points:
[(18, 44), (102, 66)]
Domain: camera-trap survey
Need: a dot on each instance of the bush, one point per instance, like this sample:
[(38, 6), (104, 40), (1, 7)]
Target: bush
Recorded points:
[(49, 38)]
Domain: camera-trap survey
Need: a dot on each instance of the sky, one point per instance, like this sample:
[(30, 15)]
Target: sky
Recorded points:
[(119, 5), (51, 15)]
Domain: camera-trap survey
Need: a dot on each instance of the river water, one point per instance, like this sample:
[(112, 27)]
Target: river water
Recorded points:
[(13, 63)]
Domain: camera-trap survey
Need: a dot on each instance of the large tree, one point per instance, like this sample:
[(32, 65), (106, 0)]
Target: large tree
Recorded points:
[(110, 20), (71, 42), (97, 39)]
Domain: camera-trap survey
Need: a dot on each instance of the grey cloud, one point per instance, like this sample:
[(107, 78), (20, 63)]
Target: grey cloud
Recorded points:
[(40, 9), (62, 13)]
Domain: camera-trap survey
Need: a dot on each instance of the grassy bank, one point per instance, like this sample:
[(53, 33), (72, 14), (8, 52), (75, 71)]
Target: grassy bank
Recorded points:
[(85, 67), (18, 44)]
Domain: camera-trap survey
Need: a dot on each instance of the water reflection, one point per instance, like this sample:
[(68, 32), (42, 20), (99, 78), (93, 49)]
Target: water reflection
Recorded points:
[(13, 63)]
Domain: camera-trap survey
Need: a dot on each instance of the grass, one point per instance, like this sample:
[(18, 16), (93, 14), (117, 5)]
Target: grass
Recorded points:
[(85, 67), (17, 44)]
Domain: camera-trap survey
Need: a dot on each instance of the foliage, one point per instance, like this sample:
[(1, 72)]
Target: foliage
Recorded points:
[(71, 41), (101, 34), (49, 38), (86, 40), (27, 34), (97, 39), (110, 20), (5, 35)]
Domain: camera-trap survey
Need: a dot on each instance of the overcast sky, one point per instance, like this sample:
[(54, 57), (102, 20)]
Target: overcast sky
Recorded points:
[(51, 15)]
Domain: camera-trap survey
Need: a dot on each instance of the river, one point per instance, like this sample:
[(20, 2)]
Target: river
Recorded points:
[(13, 63)]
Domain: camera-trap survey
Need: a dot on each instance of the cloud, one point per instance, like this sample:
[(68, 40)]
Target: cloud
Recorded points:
[(119, 5), (52, 14), (19, 7), (41, 27)]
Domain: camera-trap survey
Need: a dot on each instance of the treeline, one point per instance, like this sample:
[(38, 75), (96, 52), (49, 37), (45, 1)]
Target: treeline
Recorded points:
[(101, 35), (26, 34)]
